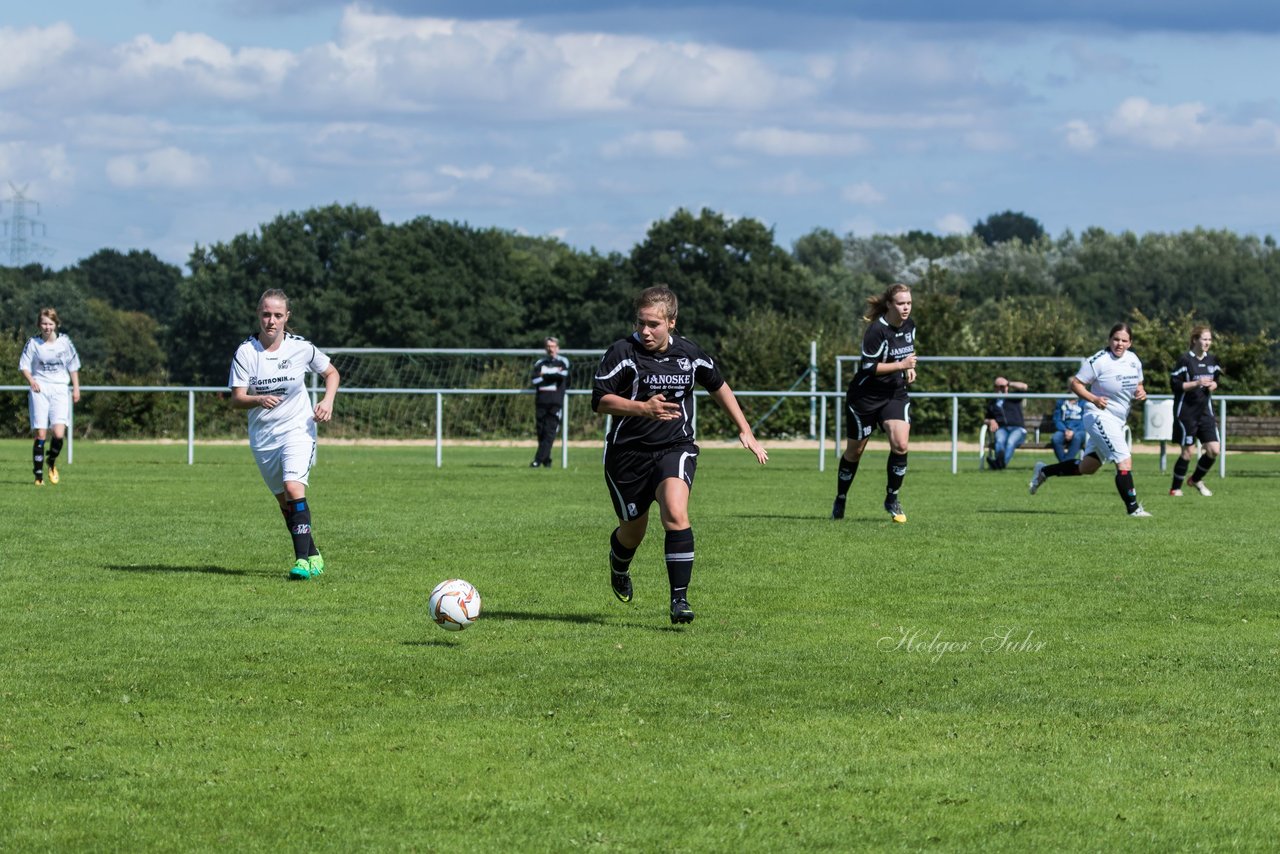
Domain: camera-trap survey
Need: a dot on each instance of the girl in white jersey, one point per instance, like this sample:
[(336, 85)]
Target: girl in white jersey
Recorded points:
[(1108, 382), (48, 361), (268, 379)]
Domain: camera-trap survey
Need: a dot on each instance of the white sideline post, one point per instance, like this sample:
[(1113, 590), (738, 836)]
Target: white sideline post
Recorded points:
[(191, 426), (439, 429), (564, 433)]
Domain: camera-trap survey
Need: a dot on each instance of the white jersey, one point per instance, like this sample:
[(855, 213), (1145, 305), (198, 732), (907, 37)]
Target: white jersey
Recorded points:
[(1116, 379), (50, 361), (281, 372)]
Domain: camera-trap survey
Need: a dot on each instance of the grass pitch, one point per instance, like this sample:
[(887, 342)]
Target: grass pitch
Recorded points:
[(1003, 672)]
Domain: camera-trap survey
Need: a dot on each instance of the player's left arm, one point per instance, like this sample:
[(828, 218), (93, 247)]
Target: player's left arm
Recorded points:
[(75, 386), (324, 409), (724, 397), (1140, 393)]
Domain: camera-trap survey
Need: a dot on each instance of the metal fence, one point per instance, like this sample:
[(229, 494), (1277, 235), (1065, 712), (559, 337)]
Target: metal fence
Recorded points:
[(574, 397)]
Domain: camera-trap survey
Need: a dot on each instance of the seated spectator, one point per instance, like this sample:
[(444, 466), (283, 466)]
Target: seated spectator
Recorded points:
[(1068, 429), (1004, 421)]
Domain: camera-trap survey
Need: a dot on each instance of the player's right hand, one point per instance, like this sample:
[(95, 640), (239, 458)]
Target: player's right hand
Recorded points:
[(659, 408)]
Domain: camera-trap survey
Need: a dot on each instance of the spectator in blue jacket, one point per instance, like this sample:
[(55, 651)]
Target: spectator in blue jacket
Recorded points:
[(1068, 429)]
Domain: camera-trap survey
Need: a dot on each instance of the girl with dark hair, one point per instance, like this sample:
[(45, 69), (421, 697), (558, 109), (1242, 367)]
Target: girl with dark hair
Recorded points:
[(877, 395), (1108, 382)]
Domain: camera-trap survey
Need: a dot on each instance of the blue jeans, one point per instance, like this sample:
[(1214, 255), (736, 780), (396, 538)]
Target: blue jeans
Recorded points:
[(1065, 450), (1008, 440)]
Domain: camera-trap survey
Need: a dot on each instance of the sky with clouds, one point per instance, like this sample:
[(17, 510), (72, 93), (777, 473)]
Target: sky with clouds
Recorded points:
[(159, 124)]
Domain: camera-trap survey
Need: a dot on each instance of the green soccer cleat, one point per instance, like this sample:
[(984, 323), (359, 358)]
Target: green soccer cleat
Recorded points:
[(316, 563), (301, 570), (621, 584)]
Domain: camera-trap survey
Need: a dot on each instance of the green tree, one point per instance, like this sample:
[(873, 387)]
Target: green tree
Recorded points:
[(1009, 225), (138, 281), (719, 267)]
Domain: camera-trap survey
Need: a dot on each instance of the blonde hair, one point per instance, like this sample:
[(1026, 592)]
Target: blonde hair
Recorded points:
[(659, 295), (878, 305)]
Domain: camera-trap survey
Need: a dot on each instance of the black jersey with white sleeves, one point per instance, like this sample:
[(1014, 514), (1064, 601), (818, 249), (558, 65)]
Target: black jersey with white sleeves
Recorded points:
[(883, 343), (1197, 401), (630, 371)]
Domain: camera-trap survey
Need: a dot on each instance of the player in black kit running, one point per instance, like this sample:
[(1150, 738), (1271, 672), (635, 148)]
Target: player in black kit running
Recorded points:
[(645, 381), (1194, 379), (878, 395)]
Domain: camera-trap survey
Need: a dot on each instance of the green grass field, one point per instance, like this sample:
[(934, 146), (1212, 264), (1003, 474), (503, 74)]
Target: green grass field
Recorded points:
[(1004, 672)]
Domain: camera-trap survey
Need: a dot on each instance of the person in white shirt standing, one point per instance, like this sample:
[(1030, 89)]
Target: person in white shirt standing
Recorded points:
[(49, 361), (268, 378), (1108, 382)]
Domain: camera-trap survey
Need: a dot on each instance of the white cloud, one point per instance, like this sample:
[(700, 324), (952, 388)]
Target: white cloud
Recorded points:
[(862, 193), (201, 63), (35, 164), (654, 143), (1188, 126), (989, 141), (164, 168), (275, 174), (780, 142), (29, 52), (483, 172), (953, 223), (1079, 135), (792, 183)]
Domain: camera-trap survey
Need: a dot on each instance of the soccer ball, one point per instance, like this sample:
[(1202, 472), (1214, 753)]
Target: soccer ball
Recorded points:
[(454, 605)]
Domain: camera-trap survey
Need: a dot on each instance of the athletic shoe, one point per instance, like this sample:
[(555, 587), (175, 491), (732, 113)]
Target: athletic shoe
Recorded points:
[(534, 464), (894, 509), (1199, 487), (301, 570), (316, 564), (39, 483), (621, 584), (837, 507), (1175, 493), (1140, 512), (1037, 479), (546, 464), (53, 475), (681, 612)]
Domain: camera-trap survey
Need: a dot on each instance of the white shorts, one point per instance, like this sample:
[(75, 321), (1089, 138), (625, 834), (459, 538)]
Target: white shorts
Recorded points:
[(291, 461), (1105, 437), (49, 406)]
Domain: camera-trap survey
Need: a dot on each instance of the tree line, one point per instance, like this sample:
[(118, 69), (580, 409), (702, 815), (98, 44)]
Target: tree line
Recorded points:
[(1006, 288)]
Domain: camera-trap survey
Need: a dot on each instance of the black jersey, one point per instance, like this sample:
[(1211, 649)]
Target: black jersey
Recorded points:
[(550, 376), (883, 343), (630, 371), (1196, 402)]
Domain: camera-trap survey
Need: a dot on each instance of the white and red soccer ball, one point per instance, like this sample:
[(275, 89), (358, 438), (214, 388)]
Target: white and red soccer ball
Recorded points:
[(454, 605)]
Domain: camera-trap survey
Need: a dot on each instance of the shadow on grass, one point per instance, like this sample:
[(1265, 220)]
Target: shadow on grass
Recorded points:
[(437, 642), (541, 617), (160, 567)]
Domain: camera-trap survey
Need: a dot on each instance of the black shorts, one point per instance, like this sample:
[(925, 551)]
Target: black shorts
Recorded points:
[(864, 414), (1202, 427), (633, 475)]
